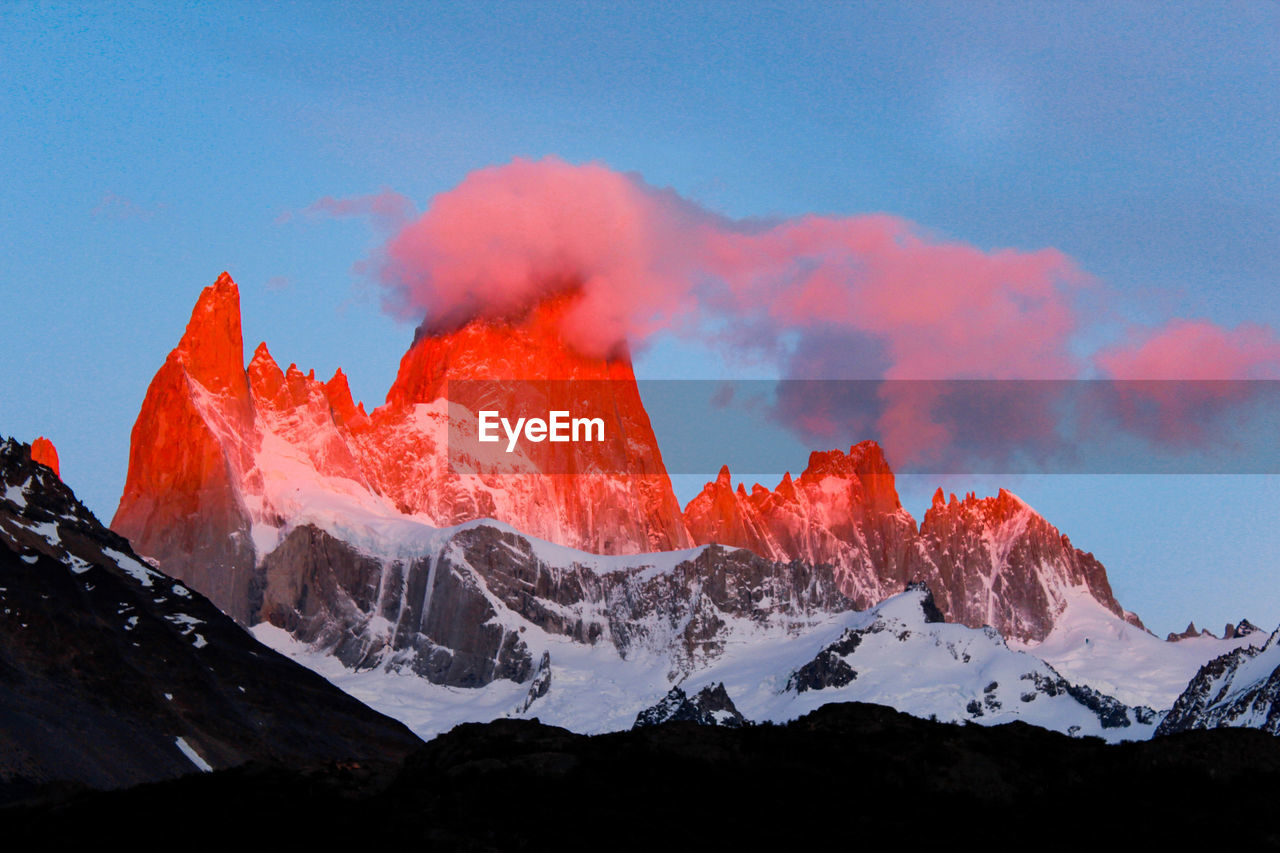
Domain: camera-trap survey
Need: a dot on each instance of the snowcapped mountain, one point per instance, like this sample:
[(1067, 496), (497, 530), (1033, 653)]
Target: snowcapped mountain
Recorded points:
[(1089, 645), (225, 462), (1240, 689), (222, 458), (112, 673), (348, 539), (770, 666)]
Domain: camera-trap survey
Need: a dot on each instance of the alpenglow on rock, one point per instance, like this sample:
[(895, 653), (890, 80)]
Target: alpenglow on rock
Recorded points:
[(990, 561)]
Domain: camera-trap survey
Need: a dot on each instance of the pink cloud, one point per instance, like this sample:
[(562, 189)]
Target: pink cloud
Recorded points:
[(645, 259), (1196, 349), (387, 209), (838, 297), (1208, 361)]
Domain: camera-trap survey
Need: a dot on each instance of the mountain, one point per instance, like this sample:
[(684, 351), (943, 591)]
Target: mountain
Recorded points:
[(226, 460), (222, 457), (480, 602), (595, 642), (112, 673), (1240, 689), (991, 561)]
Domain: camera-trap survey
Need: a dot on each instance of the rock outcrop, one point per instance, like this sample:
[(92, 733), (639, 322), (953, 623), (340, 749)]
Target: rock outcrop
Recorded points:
[(43, 451), (710, 706)]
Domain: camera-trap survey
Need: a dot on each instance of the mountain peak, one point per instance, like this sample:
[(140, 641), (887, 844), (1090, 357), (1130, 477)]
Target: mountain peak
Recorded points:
[(864, 462), (43, 451), (341, 402), (212, 348), (530, 346)]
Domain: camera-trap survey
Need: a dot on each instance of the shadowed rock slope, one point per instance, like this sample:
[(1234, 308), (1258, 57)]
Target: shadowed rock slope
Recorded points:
[(112, 673)]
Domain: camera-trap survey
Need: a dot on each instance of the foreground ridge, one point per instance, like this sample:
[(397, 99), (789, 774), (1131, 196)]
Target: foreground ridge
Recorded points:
[(845, 770), (114, 673)]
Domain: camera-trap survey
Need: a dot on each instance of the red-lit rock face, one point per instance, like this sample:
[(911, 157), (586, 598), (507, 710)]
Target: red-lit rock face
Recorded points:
[(991, 561), (43, 451), (612, 497), (191, 445), (843, 510), (222, 455), (1002, 564)]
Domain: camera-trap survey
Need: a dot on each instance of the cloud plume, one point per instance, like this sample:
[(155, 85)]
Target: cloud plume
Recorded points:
[(645, 260), (828, 297)]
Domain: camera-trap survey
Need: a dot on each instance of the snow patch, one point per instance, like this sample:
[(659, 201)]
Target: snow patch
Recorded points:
[(17, 495), (1091, 645), (192, 755), (139, 572)]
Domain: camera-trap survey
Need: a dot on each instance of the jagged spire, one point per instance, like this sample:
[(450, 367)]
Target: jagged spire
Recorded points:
[(43, 451)]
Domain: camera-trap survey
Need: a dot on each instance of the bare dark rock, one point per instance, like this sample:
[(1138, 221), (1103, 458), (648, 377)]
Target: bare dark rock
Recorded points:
[(711, 706), (106, 662)]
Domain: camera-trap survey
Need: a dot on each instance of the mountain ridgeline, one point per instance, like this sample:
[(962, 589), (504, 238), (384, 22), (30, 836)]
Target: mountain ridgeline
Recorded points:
[(229, 463), (112, 673)]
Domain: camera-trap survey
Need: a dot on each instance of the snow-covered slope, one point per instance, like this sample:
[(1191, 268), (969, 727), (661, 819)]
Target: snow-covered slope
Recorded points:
[(896, 654), (1240, 689), (1090, 645)]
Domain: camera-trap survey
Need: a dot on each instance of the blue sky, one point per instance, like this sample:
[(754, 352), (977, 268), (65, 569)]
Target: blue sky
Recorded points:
[(148, 147)]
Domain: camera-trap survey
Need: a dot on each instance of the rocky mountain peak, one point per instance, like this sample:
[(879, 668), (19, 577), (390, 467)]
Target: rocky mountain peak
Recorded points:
[(43, 451), (530, 346), (212, 348), (224, 461), (345, 411), (1192, 631), (865, 462)]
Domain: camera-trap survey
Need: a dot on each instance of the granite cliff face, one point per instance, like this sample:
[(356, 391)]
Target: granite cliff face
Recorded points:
[(1000, 563), (455, 611), (990, 561), (190, 455)]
